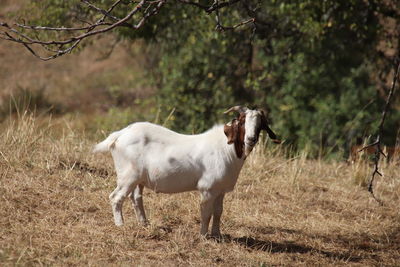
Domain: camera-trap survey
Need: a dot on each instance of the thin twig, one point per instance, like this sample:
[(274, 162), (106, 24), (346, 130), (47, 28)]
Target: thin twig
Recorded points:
[(377, 143), (224, 28), (194, 4), (219, 25), (82, 36), (102, 11), (26, 34), (43, 28), (13, 34), (215, 6)]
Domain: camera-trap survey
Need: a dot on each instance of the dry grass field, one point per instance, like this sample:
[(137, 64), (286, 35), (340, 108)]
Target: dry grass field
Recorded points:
[(283, 211), (54, 207)]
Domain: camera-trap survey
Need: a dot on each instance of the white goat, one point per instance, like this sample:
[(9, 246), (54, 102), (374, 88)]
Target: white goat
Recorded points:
[(150, 155)]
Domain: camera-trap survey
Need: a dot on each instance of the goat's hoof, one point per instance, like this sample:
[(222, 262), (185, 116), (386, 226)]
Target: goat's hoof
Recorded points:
[(222, 238), (215, 235), (212, 236)]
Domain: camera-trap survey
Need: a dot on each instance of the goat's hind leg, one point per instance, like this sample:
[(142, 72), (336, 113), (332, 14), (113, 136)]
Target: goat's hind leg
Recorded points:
[(125, 186), (137, 201)]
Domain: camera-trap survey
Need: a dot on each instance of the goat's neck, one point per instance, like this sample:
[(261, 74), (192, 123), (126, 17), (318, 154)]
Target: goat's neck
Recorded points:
[(232, 155)]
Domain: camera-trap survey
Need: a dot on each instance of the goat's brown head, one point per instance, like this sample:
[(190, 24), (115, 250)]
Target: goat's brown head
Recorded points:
[(244, 131)]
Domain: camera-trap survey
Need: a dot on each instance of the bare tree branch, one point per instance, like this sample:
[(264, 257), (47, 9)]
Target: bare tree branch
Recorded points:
[(25, 34), (224, 28), (15, 35), (205, 8), (215, 6), (102, 11), (42, 28), (377, 143), (219, 25)]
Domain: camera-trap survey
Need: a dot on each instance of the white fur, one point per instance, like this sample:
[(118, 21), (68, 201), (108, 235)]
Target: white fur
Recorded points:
[(149, 155)]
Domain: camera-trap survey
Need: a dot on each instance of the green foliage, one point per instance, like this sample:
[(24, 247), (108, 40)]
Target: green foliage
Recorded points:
[(203, 78), (313, 64)]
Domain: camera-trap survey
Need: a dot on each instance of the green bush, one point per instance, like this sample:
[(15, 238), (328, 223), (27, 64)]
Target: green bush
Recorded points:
[(315, 65)]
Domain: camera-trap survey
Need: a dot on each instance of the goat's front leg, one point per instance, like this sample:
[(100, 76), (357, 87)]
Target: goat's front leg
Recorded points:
[(137, 201), (218, 208), (206, 209)]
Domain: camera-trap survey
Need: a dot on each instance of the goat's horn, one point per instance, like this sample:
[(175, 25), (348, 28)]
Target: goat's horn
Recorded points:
[(239, 109)]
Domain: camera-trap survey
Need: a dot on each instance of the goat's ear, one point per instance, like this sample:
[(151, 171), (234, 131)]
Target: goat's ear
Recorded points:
[(230, 131), (264, 121), (265, 127)]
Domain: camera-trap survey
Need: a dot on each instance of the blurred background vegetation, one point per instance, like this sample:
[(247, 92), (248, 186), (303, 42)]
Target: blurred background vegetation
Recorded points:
[(322, 69)]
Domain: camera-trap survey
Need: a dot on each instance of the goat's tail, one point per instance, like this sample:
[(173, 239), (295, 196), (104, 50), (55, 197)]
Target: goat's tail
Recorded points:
[(107, 144)]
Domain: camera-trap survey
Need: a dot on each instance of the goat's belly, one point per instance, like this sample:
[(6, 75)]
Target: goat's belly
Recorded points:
[(174, 183)]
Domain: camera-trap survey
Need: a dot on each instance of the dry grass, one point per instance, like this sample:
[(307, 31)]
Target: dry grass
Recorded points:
[(73, 81), (55, 210)]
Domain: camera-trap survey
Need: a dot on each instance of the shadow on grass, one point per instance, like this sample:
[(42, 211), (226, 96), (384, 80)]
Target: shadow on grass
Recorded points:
[(285, 247)]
